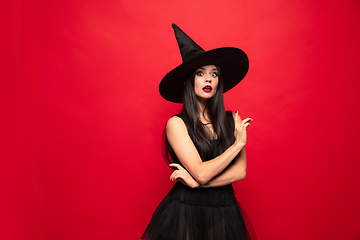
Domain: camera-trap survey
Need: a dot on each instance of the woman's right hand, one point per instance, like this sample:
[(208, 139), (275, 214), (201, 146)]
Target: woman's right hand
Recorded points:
[(240, 129), (182, 175)]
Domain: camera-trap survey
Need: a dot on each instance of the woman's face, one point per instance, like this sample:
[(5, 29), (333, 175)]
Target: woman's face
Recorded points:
[(206, 82)]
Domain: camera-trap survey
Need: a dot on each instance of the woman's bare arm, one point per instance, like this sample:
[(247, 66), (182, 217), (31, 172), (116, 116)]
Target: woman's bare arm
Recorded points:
[(233, 173), (188, 155)]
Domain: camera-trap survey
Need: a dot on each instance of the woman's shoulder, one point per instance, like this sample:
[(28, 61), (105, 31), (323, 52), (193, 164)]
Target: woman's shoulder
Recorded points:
[(179, 118), (181, 115), (176, 121), (176, 126)]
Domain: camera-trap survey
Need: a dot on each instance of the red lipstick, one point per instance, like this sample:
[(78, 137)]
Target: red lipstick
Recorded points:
[(207, 88)]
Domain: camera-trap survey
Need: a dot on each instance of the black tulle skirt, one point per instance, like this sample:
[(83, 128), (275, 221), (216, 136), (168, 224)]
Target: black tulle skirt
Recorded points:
[(199, 214)]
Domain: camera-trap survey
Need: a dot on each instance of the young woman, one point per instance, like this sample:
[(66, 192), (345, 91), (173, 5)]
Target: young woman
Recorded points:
[(205, 145)]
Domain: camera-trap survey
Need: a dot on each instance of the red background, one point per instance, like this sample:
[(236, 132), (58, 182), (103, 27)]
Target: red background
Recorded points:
[(83, 155)]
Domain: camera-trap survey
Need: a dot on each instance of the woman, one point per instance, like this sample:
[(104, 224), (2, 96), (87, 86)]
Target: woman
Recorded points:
[(205, 147)]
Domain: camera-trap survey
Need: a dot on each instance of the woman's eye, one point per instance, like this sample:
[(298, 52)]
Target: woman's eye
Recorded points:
[(214, 74), (200, 74)]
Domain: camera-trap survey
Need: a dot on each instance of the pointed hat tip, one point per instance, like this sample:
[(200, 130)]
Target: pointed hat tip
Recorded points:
[(174, 25)]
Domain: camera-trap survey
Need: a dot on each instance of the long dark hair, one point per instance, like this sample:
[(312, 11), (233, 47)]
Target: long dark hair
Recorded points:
[(216, 111)]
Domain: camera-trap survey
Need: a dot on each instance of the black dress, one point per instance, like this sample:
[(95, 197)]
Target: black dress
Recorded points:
[(200, 213)]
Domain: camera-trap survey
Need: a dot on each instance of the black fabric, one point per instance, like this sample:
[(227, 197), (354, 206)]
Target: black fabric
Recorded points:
[(198, 213), (233, 62), (216, 150), (188, 48)]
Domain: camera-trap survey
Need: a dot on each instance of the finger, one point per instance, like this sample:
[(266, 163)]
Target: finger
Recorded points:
[(174, 165), (247, 120), (180, 167), (246, 125), (237, 113), (171, 176), (237, 119), (178, 177), (175, 176)]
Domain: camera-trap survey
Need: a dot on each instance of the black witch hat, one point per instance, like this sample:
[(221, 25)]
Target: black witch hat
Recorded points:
[(233, 63)]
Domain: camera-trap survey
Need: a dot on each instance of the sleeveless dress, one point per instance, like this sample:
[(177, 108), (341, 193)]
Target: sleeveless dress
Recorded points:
[(200, 213)]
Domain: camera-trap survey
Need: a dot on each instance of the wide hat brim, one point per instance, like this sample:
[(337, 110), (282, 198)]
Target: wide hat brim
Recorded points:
[(233, 62)]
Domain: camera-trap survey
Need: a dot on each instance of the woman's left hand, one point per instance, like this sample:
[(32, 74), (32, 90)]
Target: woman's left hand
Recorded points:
[(183, 175)]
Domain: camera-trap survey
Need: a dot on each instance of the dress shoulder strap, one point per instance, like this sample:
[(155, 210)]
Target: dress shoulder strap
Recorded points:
[(184, 117)]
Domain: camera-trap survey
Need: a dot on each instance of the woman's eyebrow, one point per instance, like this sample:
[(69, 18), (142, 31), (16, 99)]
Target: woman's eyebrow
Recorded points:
[(214, 69)]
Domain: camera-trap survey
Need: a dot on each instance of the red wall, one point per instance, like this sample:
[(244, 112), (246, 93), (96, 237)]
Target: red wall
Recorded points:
[(83, 157)]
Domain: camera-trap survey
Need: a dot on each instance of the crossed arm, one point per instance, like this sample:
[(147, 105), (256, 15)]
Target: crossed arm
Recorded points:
[(212, 173)]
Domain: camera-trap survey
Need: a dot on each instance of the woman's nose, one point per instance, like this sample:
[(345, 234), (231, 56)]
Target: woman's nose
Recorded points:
[(208, 78)]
